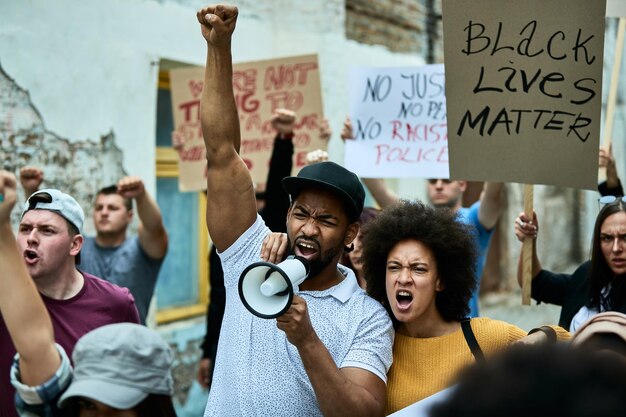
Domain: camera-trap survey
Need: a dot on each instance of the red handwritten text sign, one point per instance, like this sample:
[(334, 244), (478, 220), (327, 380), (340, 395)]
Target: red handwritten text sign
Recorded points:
[(260, 88), (399, 122)]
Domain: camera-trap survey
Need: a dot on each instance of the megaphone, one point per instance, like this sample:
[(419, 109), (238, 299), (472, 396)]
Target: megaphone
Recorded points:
[(266, 290)]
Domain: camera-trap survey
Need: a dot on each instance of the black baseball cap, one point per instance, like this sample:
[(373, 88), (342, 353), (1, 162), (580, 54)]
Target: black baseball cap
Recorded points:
[(332, 177)]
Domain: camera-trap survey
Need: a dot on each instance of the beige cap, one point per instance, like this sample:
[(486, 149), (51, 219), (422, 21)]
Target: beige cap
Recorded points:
[(607, 322)]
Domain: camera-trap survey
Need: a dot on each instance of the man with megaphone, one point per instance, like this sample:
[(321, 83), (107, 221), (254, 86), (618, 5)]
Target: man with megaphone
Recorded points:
[(329, 353)]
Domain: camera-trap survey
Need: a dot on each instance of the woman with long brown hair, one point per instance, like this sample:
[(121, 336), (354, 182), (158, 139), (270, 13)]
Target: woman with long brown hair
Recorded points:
[(598, 284)]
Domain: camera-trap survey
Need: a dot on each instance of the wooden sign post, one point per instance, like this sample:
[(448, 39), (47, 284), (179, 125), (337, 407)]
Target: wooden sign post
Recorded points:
[(617, 9), (527, 248)]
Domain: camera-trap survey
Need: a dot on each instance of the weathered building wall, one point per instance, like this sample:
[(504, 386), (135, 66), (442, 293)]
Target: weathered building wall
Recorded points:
[(78, 167)]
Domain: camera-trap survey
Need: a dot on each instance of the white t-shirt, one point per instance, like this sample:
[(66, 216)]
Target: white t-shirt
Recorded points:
[(259, 373), (585, 313)]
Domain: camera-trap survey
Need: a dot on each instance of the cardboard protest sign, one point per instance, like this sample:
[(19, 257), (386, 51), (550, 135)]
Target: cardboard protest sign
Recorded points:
[(186, 89), (260, 88), (524, 89), (399, 122)]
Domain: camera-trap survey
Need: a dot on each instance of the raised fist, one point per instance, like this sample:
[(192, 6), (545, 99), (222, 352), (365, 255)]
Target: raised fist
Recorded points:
[(218, 23)]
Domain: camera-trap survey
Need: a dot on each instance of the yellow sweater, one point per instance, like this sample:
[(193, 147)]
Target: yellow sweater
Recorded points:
[(424, 366)]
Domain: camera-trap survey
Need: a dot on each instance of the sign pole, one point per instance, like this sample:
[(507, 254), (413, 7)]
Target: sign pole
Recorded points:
[(527, 248)]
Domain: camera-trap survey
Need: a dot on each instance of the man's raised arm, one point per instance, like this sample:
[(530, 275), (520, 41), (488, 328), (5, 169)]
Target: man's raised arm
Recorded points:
[(152, 234), (490, 204), (231, 207), (23, 311)]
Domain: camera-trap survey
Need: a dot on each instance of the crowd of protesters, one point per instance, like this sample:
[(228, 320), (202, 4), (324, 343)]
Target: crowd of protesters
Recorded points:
[(387, 318)]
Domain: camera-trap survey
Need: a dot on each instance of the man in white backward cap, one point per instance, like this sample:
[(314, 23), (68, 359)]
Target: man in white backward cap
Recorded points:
[(48, 242)]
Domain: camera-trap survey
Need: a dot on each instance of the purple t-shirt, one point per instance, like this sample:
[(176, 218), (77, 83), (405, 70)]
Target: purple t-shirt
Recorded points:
[(98, 303)]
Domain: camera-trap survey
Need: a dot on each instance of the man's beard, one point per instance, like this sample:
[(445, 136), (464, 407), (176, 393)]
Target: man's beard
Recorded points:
[(317, 265)]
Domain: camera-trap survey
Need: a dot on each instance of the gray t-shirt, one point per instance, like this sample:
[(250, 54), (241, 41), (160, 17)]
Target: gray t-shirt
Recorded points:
[(126, 265), (259, 373)]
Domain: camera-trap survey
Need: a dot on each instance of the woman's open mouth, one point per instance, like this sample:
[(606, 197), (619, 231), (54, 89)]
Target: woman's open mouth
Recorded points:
[(403, 300)]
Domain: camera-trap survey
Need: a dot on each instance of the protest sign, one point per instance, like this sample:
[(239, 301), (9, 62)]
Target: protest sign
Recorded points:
[(524, 90), (423, 408), (399, 122), (186, 89), (260, 87)]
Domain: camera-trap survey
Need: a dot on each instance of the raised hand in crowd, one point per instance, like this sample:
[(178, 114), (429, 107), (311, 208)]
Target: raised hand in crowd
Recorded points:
[(325, 131), (606, 160), (346, 131), (217, 23), (318, 155), (152, 234), (284, 121), (276, 201), (178, 141), (7, 195), (383, 195), (31, 178), (131, 187), (22, 309)]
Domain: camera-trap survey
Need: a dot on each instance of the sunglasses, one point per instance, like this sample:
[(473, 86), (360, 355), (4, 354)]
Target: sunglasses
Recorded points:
[(608, 199)]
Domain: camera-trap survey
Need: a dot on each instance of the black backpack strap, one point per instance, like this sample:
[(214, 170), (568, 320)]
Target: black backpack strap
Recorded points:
[(471, 340)]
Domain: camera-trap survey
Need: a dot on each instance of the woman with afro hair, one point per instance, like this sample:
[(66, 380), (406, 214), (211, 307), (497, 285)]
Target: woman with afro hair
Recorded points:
[(419, 263)]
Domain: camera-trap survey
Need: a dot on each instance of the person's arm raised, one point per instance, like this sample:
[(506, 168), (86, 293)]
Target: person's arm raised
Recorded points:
[(231, 207), (376, 186), (381, 193), (612, 185), (21, 306), (151, 233), (490, 204), (31, 178), (280, 165)]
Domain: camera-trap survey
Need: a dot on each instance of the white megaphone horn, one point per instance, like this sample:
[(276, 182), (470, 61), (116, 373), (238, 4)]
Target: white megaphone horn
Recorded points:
[(267, 289)]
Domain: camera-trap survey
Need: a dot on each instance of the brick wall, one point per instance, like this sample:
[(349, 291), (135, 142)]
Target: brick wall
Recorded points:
[(399, 25)]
